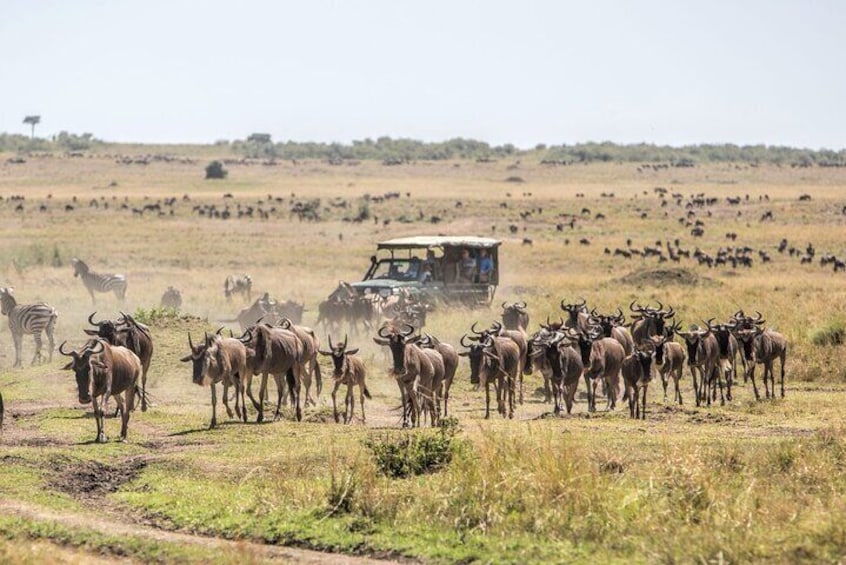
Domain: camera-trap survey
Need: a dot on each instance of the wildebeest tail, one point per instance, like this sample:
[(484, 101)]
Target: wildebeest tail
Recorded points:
[(366, 392), (318, 378), (1, 411), (289, 378)]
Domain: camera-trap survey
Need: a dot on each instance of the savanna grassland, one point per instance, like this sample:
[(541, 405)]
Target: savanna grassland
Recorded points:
[(748, 481)]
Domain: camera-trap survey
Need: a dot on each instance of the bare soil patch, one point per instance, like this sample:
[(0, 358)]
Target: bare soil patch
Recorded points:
[(665, 277), (87, 479)]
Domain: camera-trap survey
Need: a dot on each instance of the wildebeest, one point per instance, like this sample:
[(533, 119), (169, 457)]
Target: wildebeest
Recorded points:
[(349, 371), (494, 360), (235, 284), (418, 372), (104, 371), (220, 359), (28, 319), (612, 326), (520, 338), (95, 282), (764, 347), (637, 374), (554, 354), (128, 333), (278, 352), (669, 360), (450, 358), (310, 347), (515, 316), (577, 314), (648, 321), (703, 355), (602, 358)]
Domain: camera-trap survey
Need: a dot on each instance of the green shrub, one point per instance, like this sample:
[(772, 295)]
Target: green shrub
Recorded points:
[(414, 453), (155, 314), (833, 332), (215, 170)]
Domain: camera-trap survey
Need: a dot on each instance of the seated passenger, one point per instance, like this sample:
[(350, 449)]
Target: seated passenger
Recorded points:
[(485, 265), (467, 266)]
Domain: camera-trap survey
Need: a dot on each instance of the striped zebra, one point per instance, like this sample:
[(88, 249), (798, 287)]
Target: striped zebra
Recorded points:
[(28, 319), (100, 283)]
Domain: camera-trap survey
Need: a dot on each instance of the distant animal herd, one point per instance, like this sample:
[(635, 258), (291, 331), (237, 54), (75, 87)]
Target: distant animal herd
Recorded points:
[(615, 358)]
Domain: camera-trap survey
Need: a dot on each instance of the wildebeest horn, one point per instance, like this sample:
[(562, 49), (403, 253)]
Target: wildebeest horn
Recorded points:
[(206, 338), (669, 313), (62, 351), (285, 323), (332, 347), (473, 329), (708, 323), (636, 307), (563, 305), (759, 319), (91, 320), (248, 334), (410, 330), (461, 341), (380, 334), (582, 304), (504, 305), (190, 343), (739, 314), (102, 347), (220, 329), (345, 342), (521, 305), (496, 326)]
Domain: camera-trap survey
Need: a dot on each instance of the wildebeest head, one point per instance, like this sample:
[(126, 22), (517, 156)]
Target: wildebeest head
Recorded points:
[(80, 364), (339, 354), (722, 332), (474, 355), (514, 316), (585, 341), (106, 329), (660, 340), (606, 322), (574, 309), (692, 338), (395, 338), (643, 354), (201, 357), (746, 337)]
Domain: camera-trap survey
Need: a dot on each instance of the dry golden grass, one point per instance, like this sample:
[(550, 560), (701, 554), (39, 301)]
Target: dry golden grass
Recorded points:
[(746, 482)]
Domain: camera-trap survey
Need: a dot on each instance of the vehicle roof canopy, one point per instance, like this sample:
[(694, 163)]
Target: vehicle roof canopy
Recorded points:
[(426, 241)]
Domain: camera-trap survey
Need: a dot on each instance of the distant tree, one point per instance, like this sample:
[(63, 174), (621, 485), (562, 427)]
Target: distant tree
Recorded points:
[(33, 121), (215, 170)]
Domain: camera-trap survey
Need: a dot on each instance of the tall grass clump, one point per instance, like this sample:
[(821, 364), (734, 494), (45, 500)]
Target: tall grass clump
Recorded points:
[(414, 453), (832, 332)]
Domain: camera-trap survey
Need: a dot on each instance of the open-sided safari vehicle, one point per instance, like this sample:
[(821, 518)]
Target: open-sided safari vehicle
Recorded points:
[(452, 269)]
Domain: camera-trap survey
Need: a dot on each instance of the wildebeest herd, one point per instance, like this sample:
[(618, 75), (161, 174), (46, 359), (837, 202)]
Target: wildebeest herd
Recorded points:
[(615, 358)]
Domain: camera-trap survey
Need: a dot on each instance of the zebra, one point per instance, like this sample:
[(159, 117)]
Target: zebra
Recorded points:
[(242, 285), (28, 319), (101, 283)]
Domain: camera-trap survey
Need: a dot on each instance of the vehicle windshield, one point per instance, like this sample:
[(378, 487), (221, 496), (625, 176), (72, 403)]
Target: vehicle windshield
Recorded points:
[(397, 269)]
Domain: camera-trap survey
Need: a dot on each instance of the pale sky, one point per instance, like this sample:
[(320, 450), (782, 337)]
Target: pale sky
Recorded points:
[(526, 72)]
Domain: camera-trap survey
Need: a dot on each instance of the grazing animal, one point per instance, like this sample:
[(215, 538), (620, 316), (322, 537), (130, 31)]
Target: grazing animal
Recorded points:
[(612, 326), (494, 360), (278, 352), (220, 359), (577, 315), (95, 282), (669, 360), (172, 298), (104, 371), (637, 374), (28, 319), (703, 355), (450, 358), (648, 321), (128, 333), (350, 371), (235, 284), (515, 316), (310, 346), (602, 358), (556, 354), (418, 373), (763, 347)]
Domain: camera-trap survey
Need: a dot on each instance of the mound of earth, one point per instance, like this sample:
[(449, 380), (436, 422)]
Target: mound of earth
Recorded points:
[(91, 478), (665, 277)]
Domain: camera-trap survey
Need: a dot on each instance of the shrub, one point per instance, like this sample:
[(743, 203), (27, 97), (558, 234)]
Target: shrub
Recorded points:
[(833, 332), (215, 170), (410, 454), (155, 314)]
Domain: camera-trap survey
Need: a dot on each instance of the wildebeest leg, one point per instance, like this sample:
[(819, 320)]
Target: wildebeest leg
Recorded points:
[(124, 408), (665, 381), (695, 383), (214, 406), (782, 356), (766, 381), (547, 389), (349, 408), (643, 412), (294, 380), (98, 416), (307, 386), (144, 388), (262, 396), (511, 385), (588, 387), (280, 395), (334, 402), (556, 392), (677, 375), (361, 394), (250, 393), (226, 397), (752, 378), (718, 374), (487, 399), (632, 404)]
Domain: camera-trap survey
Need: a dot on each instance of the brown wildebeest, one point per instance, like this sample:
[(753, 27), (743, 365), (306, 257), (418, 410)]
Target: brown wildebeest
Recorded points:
[(555, 353), (703, 356), (278, 352), (602, 358), (220, 359), (450, 358), (310, 346), (495, 360), (128, 333), (637, 374), (350, 371), (104, 371), (669, 360), (648, 321), (764, 347), (577, 315), (515, 316)]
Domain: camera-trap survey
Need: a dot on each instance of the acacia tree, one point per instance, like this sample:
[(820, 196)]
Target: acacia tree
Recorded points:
[(33, 121)]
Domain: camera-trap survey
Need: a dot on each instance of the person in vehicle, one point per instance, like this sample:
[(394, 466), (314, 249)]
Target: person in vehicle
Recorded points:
[(485, 266), (467, 266)]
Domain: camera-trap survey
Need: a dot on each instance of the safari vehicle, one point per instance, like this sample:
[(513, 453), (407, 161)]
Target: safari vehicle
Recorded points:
[(435, 269)]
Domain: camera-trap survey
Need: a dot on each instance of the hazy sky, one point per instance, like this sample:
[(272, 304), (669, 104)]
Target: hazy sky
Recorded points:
[(524, 72)]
